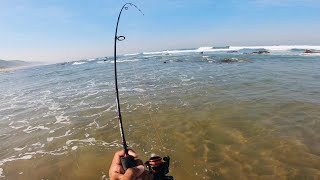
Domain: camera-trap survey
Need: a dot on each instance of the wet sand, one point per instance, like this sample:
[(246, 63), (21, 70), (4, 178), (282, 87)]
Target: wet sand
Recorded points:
[(211, 141)]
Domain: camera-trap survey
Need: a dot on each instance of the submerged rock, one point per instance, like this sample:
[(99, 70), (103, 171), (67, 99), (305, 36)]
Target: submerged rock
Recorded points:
[(232, 51), (230, 60), (260, 52), (308, 51), (311, 51), (234, 60)]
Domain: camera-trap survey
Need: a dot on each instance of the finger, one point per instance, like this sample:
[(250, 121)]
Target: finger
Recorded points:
[(146, 175), (133, 153), (133, 173), (139, 162), (117, 156), (115, 176)]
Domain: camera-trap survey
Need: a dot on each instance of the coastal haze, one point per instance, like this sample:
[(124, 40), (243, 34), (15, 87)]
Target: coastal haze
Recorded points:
[(218, 112)]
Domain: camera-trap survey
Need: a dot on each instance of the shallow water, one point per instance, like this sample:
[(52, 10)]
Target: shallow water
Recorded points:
[(257, 117)]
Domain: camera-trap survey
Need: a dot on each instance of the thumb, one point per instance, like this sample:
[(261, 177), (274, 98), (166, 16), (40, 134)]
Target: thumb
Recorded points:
[(133, 173)]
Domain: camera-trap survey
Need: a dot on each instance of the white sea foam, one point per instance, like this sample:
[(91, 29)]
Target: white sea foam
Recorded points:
[(19, 149), (237, 48), (68, 133), (1, 172), (185, 80), (204, 48), (17, 127), (102, 62), (138, 90), (31, 129), (125, 60), (78, 63), (133, 54), (310, 54), (93, 123), (91, 141), (54, 130), (62, 120), (36, 144), (74, 147), (14, 158)]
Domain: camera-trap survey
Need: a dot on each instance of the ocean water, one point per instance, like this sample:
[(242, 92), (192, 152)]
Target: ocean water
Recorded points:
[(223, 114)]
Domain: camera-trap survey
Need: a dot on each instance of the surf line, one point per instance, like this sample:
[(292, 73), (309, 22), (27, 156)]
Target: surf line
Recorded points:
[(158, 166)]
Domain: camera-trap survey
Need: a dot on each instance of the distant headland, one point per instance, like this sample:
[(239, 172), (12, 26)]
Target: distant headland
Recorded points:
[(6, 65)]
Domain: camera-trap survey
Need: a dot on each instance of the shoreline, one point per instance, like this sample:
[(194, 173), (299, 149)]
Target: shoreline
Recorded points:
[(6, 69)]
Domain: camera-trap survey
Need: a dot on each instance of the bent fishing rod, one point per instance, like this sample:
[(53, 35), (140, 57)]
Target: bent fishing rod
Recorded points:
[(158, 166), (127, 161)]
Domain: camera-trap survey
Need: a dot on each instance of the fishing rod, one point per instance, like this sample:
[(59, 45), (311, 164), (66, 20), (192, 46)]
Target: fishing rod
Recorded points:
[(156, 165), (127, 161)]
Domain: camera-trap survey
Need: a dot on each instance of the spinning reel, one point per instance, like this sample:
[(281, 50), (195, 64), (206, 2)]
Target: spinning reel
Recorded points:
[(159, 167)]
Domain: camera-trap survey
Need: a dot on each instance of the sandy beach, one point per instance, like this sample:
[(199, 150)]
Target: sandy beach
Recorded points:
[(3, 69)]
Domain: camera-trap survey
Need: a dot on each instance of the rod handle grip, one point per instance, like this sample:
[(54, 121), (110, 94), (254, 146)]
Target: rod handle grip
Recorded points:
[(128, 162)]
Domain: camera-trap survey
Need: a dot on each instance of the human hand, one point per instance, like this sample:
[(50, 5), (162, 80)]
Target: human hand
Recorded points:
[(116, 171)]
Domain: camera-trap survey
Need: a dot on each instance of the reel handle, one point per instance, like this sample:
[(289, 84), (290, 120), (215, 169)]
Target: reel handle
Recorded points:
[(128, 162)]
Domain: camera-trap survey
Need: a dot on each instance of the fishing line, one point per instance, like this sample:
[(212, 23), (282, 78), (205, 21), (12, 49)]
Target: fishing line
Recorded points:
[(151, 119)]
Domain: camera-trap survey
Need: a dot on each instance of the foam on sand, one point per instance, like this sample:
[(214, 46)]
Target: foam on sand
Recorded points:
[(31, 129), (49, 139), (138, 90), (14, 158), (19, 149), (17, 127), (1, 172), (91, 141), (62, 120)]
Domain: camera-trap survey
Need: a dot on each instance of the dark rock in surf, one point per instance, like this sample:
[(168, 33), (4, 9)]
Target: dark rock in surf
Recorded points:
[(228, 60), (234, 60), (310, 51), (261, 52)]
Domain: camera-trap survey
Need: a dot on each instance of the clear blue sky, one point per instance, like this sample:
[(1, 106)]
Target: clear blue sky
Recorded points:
[(59, 30)]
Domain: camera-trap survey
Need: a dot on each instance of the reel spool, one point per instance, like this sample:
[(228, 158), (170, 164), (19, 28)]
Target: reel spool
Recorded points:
[(159, 167)]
